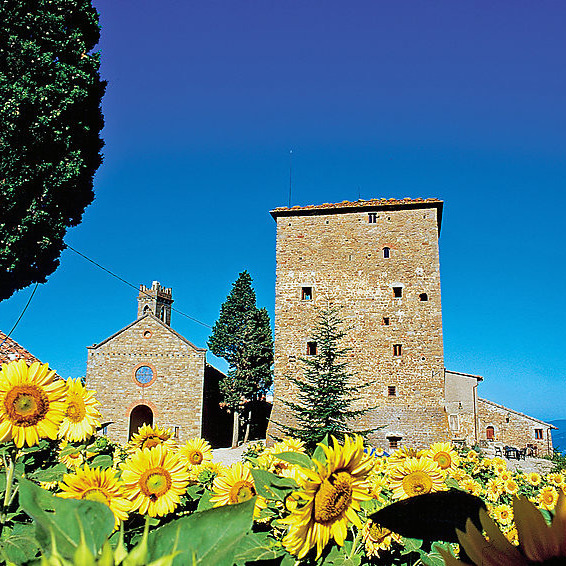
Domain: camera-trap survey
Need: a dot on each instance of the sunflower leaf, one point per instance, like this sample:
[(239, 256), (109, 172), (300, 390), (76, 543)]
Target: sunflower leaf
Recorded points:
[(65, 520), (54, 473), (259, 546), (102, 461), (207, 538), (434, 558), (296, 458), (270, 486), (21, 545)]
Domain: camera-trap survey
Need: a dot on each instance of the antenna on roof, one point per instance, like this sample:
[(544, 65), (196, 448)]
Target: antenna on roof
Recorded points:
[(290, 174), (359, 193)]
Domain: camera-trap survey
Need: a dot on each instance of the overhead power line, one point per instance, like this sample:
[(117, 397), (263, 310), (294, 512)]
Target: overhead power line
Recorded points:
[(133, 286), (21, 315)]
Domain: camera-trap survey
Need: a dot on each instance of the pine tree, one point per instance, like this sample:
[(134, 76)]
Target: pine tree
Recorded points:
[(50, 121), (325, 394), (242, 336)]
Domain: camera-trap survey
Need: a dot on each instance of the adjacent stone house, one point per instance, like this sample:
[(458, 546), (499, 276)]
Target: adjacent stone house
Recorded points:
[(148, 373), (378, 260)]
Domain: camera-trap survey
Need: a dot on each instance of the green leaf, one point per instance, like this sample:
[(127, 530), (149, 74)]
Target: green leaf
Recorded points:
[(55, 473), (102, 461), (207, 538), (451, 482), (338, 556), (204, 504), (412, 544), (21, 546), (195, 492), (270, 486), (259, 546), (434, 558), (65, 519), (296, 458)]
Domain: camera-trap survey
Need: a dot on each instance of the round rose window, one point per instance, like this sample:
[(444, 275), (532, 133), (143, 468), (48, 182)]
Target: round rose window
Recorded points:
[(144, 375)]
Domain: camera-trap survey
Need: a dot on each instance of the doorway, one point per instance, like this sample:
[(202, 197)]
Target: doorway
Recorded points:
[(139, 416)]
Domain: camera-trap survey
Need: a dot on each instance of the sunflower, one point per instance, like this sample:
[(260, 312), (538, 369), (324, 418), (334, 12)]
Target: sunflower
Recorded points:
[(547, 498), (555, 478), (493, 489), (329, 498), (472, 456), (100, 485), (505, 475), (540, 543), (402, 454), (472, 486), (154, 480), (236, 485), (195, 452), (377, 538), (416, 476), (503, 514), (81, 416), (533, 478), (32, 403), (70, 456), (444, 455), (289, 445), (149, 436), (510, 486)]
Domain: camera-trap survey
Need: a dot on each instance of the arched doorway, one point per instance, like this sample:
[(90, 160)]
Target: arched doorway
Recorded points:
[(139, 416)]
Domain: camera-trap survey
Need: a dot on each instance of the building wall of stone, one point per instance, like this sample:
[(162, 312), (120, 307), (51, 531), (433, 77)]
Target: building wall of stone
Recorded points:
[(512, 428), (176, 394), (340, 255), (461, 402)]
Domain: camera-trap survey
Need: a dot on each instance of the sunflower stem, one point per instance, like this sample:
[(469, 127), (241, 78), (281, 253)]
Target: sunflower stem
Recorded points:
[(355, 544), (8, 493)]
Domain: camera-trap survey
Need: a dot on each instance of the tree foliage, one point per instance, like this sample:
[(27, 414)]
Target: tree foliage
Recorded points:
[(325, 392), (50, 121), (242, 336)]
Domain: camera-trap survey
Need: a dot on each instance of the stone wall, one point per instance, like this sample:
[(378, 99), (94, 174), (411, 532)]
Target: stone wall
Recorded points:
[(175, 395), (338, 253)]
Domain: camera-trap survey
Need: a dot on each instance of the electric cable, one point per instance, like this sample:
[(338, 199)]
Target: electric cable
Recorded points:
[(21, 315)]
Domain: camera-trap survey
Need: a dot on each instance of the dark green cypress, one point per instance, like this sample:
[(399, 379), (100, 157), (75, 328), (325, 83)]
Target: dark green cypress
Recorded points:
[(50, 121)]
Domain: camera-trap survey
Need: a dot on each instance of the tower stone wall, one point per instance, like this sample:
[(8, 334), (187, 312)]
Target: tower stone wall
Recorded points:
[(379, 262), (156, 300)]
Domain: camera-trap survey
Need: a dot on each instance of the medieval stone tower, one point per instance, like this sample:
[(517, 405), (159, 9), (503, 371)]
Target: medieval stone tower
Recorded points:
[(378, 261), (156, 300)]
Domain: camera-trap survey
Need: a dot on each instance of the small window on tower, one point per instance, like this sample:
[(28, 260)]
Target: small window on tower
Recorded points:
[(386, 252), (397, 292), (176, 432), (372, 217), (538, 433), (162, 314), (311, 348), (306, 293), (397, 349), (146, 309), (386, 321), (423, 297), (391, 391)]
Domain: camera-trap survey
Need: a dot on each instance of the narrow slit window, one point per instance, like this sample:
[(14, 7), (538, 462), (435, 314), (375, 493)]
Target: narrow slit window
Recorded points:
[(386, 252), (306, 293), (311, 348), (386, 321), (397, 349), (372, 217), (391, 391), (176, 432), (538, 433), (423, 297), (397, 292)]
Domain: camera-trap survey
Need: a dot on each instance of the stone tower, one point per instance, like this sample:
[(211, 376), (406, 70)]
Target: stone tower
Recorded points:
[(156, 300), (378, 261)]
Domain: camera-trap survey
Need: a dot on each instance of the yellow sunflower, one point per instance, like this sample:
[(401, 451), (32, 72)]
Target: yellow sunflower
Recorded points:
[(402, 454), (472, 456), (195, 452), (416, 476), (81, 416), (97, 485), (505, 475), (547, 498), (377, 538), (533, 478), (149, 436), (493, 489), (236, 485), (154, 480), (444, 455), (329, 498), (32, 403), (503, 514), (511, 486), (289, 445), (555, 478), (70, 456), (471, 486)]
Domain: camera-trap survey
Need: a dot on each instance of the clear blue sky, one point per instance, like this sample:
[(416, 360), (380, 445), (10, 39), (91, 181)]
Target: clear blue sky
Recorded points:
[(463, 101)]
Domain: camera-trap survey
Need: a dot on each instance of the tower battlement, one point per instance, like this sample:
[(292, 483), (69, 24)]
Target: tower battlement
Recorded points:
[(156, 300)]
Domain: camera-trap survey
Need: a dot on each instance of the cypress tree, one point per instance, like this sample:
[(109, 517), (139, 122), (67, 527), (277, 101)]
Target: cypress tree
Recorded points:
[(50, 120), (325, 393), (242, 336)]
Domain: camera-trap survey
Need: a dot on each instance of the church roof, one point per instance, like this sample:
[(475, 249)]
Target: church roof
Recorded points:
[(94, 346), (360, 204)]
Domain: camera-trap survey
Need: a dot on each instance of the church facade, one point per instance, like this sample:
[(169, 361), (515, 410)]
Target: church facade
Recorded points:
[(378, 261), (147, 373)]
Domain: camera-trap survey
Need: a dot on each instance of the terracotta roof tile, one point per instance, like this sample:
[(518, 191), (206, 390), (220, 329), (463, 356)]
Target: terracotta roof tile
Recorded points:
[(11, 351)]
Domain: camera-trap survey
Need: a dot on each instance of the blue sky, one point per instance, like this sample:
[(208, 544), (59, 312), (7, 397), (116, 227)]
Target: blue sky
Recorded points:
[(459, 101)]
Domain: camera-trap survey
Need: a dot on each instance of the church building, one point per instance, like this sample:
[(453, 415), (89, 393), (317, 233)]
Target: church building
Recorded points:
[(147, 373)]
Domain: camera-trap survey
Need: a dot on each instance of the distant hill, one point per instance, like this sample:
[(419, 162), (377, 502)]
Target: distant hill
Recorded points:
[(559, 436)]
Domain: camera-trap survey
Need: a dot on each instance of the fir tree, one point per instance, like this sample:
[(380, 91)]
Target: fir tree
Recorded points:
[(50, 120), (325, 394), (242, 336)]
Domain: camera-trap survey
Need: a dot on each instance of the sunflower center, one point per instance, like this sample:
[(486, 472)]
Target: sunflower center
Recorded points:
[(95, 494), (26, 405), (443, 460), (195, 457), (155, 482), (76, 409), (151, 442), (241, 491), (333, 497), (417, 482)]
